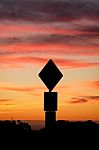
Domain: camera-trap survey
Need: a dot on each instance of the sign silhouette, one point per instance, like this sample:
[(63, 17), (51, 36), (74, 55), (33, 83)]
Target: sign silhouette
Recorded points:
[(50, 75)]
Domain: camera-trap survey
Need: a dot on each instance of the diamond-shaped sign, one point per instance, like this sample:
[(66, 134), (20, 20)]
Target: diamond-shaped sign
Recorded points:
[(50, 75)]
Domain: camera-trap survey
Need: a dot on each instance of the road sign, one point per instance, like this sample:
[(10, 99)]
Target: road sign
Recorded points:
[(50, 75)]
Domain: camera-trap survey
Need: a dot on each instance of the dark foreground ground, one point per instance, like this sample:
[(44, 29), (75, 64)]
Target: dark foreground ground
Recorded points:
[(64, 135)]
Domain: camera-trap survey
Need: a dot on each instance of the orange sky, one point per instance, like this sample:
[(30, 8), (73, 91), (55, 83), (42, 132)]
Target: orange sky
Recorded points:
[(44, 30)]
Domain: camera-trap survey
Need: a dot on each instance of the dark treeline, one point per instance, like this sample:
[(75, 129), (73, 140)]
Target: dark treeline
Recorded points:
[(63, 134)]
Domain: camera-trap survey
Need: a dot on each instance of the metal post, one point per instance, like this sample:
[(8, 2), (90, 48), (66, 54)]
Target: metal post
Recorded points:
[(50, 108)]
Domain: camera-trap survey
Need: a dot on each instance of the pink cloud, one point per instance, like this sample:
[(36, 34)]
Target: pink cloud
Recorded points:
[(9, 61), (52, 47), (75, 63), (44, 29)]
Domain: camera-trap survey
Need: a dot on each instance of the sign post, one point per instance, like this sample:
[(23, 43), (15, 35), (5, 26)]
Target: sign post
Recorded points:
[(50, 75)]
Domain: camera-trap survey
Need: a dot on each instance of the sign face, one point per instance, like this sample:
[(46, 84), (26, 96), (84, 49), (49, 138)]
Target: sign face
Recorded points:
[(50, 75)]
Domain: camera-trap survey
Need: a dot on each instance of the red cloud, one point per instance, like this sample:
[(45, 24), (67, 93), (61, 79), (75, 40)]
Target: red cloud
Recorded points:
[(52, 47), (75, 63), (65, 63), (20, 29)]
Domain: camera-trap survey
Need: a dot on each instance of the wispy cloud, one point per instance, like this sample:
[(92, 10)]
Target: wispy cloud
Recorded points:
[(84, 99), (83, 39), (49, 48), (17, 88), (94, 84), (66, 63), (93, 97), (51, 10), (5, 100), (31, 90), (97, 84), (78, 100)]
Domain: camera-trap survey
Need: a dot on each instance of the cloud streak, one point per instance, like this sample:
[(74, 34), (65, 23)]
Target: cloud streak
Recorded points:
[(24, 61), (93, 84), (50, 47), (48, 11), (5, 100), (84, 99), (17, 89), (82, 40), (20, 88), (78, 100)]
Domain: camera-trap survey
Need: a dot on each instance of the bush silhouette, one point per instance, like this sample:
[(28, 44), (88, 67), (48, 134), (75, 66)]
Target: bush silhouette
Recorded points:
[(62, 134)]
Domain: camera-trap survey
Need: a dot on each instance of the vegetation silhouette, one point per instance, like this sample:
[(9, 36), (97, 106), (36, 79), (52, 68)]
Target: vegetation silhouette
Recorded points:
[(63, 134)]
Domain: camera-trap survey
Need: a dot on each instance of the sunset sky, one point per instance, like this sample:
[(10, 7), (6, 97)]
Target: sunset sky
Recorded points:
[(31, 33)]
